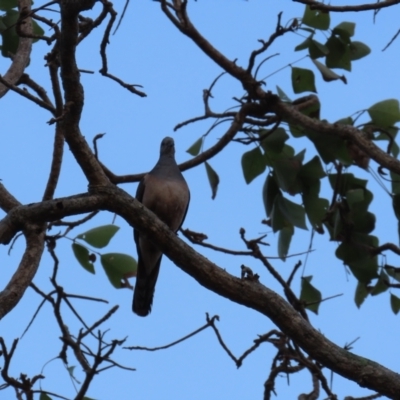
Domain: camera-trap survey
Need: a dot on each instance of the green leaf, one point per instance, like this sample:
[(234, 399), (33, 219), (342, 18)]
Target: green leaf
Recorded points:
[(309, 295), (346, 183), (361, 294), (316, 209), (317, 50), (82, 255), (316, 19), (195, 148), (274, 142), (253, 164), (394, 303), (6, 5), (358, 50), (363, 222), (395, 150), (304, 45), (118, 267), (278, 220), (395, 182), (339, 54), (37, 30), (285, 171), (312, 170), (330, 148), (282, 95), (213, 178), (71, 373), (9, 35), (345, 30), (293, 212), (285, 237), (381, 285), (393, 272), (99, 237), (354, 196), (270, 191), (345, 121), (396, 205), (385, 113), (303, 80), (337, 225), (362, 265), (327, 74), (44, 396)]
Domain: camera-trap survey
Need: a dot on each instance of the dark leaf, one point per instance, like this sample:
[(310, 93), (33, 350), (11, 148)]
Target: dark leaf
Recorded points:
[(99, 237), (316, 19), (282, 95), (213, 178), (253, 164), (278, 220), (44, 396), (317, 50), (309, 295), (316, 209), (270, 191), (303, 80), (361, 294), (394, 303), (304, 45), (312, 170), (358, 50), (274, 141), (339, 54), (6, 5), (345, 30), (9, 35), (285, 237), (381, 285), (118, 267), (293, 212), (82, 255), (195, 148), (285, 171), (327, 74), (37, 30), (385, 113), (395, 182), (393, 272)]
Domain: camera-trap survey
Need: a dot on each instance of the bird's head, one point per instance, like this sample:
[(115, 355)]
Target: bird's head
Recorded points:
[(167, 147)]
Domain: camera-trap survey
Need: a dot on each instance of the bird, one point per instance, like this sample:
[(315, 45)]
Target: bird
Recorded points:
[(165, 192)]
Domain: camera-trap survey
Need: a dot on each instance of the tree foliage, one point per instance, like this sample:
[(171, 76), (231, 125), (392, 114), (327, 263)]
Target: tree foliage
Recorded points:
[(325, 193)]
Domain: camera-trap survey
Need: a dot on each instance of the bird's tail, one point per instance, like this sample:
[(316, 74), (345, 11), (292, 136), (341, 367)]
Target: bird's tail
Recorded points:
[(144, 290)]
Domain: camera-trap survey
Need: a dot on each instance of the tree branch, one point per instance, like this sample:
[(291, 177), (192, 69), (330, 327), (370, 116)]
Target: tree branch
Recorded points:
[(21, 59), (315, 5), (251, 294)]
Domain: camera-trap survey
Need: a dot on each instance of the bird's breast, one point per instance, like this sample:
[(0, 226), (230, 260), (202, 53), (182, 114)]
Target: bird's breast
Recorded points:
[(168, 200)]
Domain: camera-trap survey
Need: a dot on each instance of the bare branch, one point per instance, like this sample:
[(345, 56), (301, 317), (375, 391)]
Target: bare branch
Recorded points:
[(315, 5)]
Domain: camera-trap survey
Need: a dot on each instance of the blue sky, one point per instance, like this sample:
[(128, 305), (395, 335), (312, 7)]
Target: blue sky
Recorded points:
[(148, 50)]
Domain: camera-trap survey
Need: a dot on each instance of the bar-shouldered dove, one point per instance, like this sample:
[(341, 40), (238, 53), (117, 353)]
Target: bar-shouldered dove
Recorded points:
[(165, 192)]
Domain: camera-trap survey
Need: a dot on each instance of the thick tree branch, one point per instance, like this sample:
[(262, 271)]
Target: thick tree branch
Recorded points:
[(251, 294), (74, 92), (21, 59), (348, 132), (15, 289)]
